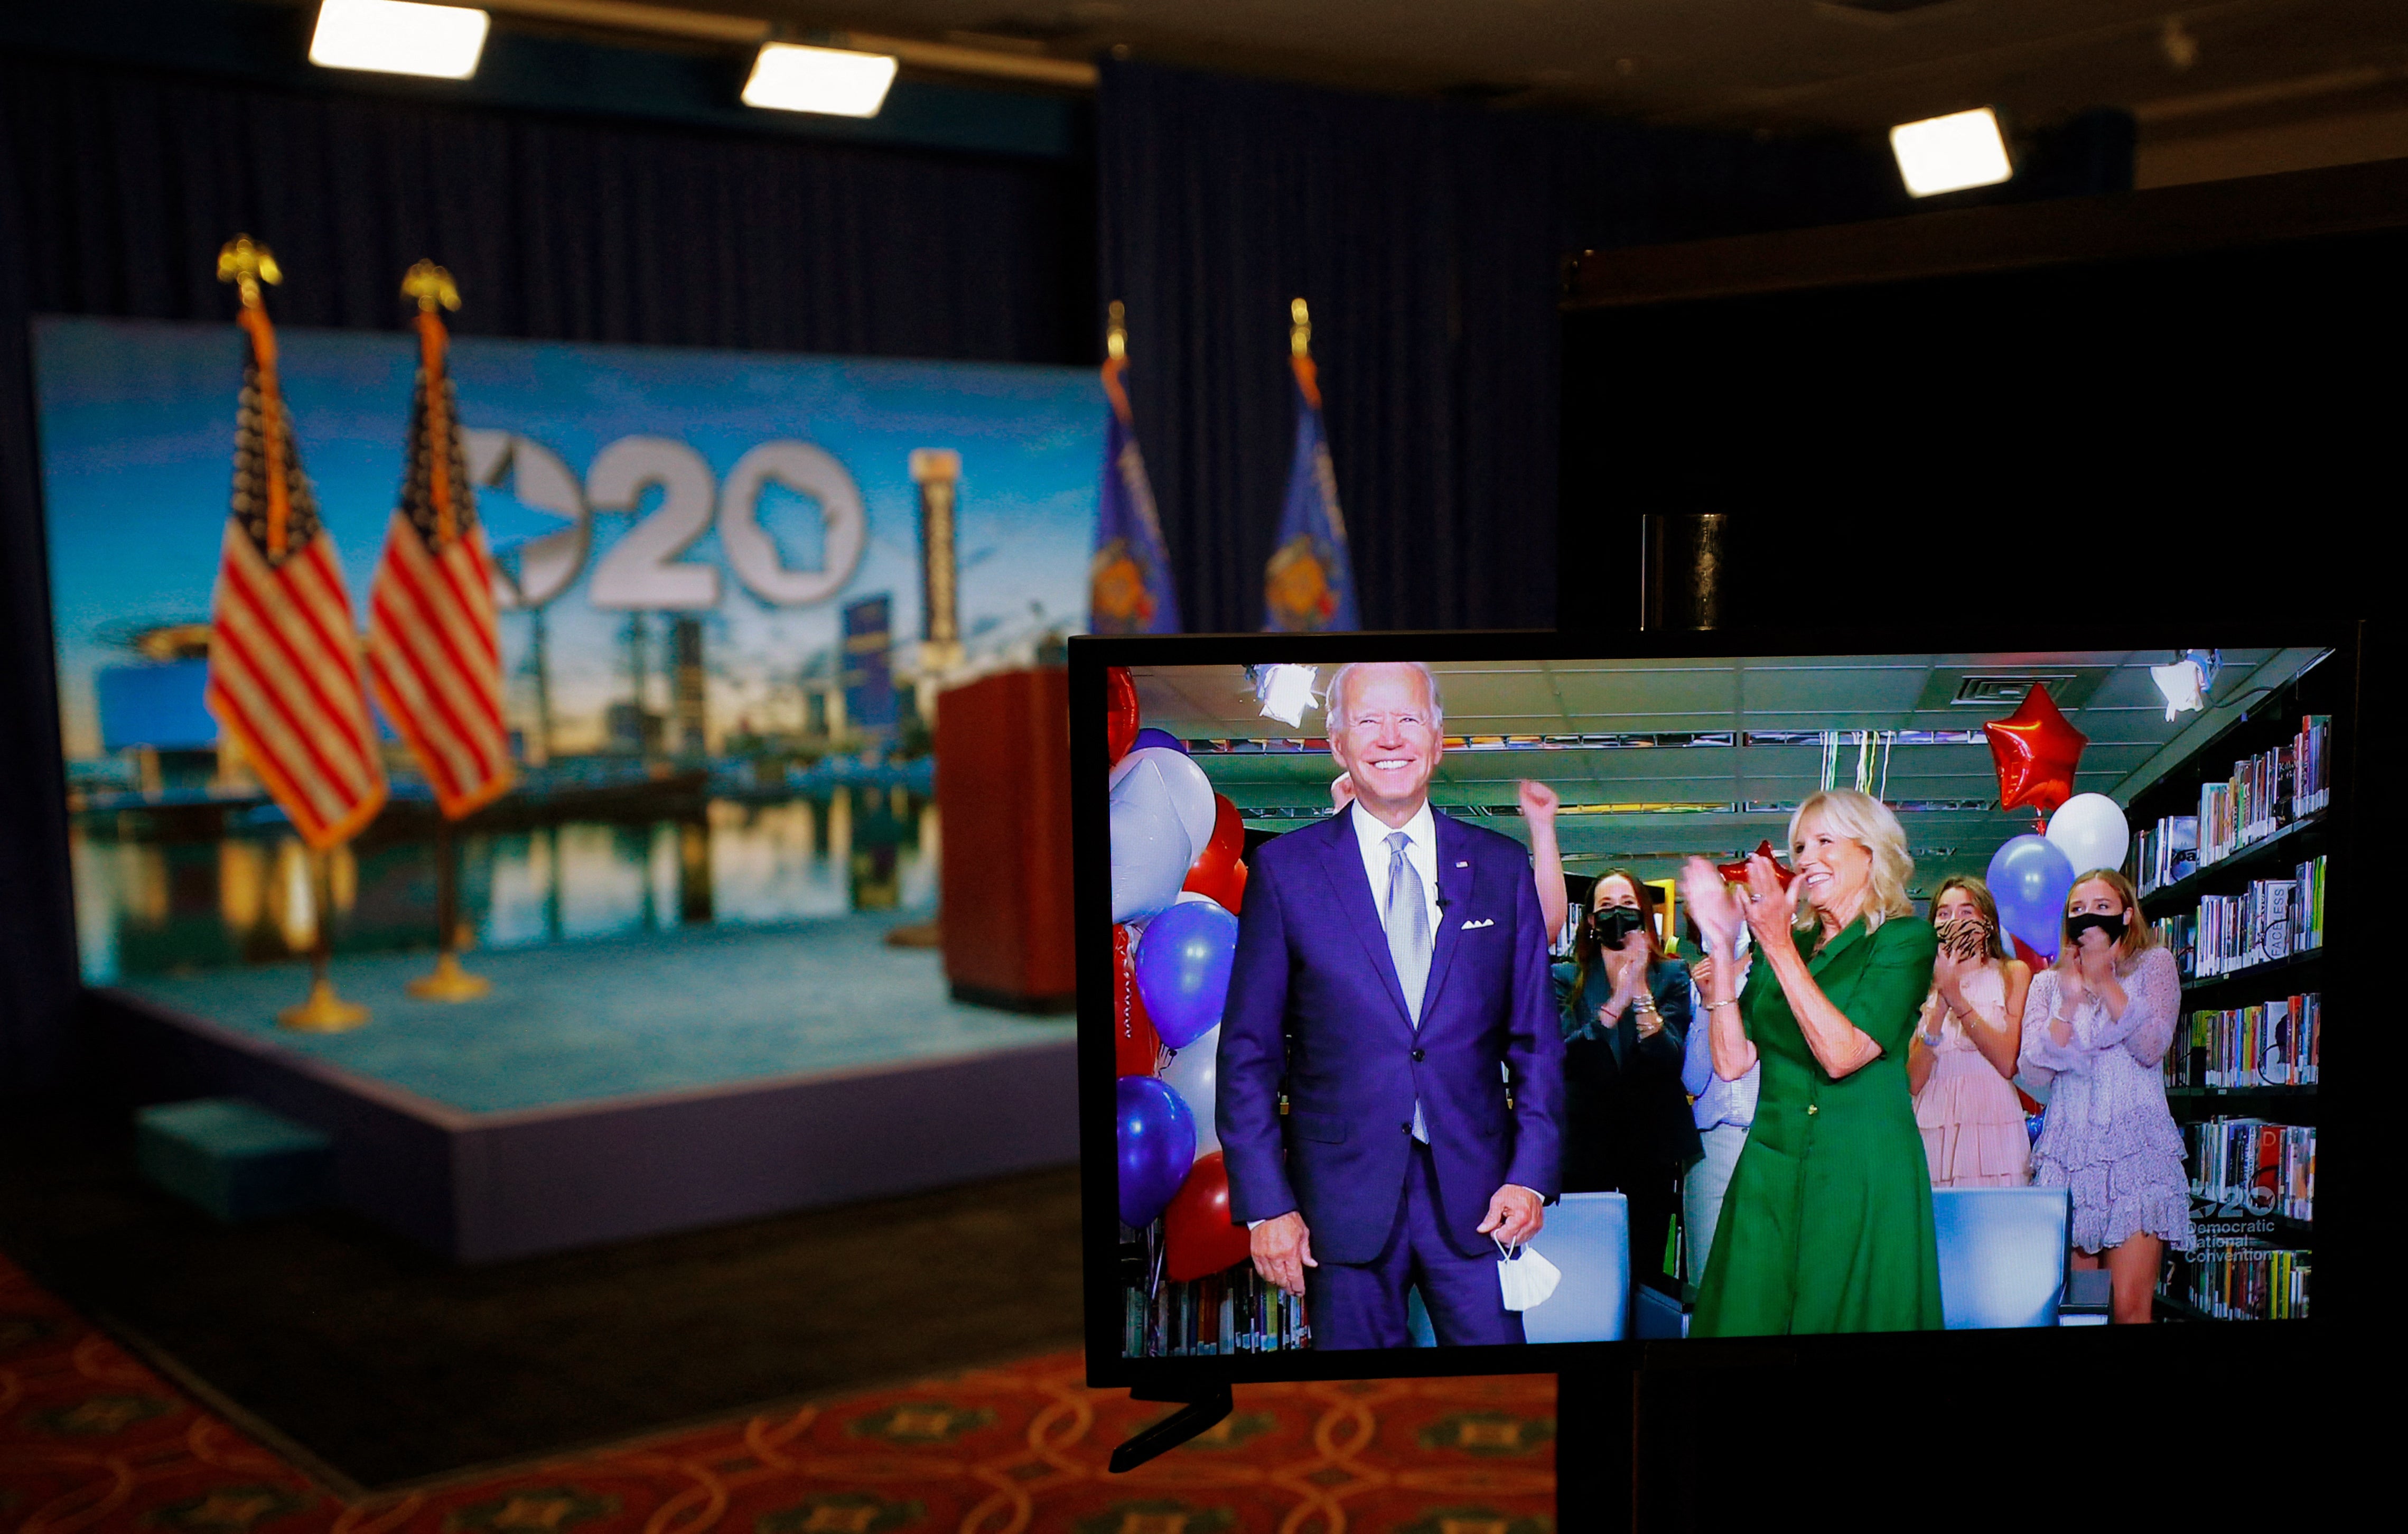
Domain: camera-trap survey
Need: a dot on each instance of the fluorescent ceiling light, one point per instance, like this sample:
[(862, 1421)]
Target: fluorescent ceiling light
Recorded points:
[(397, 37), (1951, 153), (790, 77)]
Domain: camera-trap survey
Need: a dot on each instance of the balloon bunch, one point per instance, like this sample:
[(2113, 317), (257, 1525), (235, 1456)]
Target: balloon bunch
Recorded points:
[(2036, 749), (1179, 879)]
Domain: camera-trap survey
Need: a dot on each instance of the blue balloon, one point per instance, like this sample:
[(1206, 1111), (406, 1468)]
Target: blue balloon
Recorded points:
[(1183, 969), (1152, 737), (1158, 1147), (2029, 878)]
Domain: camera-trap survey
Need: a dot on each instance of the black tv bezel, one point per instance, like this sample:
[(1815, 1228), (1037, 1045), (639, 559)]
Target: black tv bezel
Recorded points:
[(2243, 1344)]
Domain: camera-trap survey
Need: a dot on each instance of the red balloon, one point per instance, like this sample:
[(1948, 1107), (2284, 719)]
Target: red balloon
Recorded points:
[(2030, 955), (2035, 747), (1198, 1235), (1736, 873), (1226, 889), (1137, 1048), (1120, 710), (1221, 853)]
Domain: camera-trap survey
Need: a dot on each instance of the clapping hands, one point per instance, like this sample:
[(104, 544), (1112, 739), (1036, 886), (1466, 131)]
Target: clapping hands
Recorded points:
[(1711, 905)]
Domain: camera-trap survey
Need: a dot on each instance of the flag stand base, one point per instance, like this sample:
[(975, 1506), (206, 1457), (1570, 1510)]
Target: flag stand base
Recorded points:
[(324, 1012), (449, 982)]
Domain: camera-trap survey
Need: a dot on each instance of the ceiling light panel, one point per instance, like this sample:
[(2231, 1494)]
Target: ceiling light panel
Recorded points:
[(399, 38), (1951, 153), (833, 81)]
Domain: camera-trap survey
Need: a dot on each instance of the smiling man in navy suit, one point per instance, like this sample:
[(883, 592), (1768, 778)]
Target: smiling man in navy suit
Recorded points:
[(1390, 961)]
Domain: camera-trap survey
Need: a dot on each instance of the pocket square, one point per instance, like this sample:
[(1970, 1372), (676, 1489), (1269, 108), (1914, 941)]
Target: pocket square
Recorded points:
[(1485, 921)]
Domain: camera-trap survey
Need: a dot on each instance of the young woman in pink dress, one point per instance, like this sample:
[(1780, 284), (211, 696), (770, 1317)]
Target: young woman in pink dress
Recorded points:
[(1961, 1063)]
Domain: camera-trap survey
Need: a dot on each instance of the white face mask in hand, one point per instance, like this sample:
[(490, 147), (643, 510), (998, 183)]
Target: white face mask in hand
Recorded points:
[(1527, 1278)]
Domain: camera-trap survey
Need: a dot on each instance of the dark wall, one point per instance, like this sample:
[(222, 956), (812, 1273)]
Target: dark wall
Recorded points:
[(118, 187), (1428, 239), (2212, 428)]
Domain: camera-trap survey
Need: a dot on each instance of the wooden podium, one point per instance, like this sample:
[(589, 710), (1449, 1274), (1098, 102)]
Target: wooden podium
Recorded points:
[(1003, 795)]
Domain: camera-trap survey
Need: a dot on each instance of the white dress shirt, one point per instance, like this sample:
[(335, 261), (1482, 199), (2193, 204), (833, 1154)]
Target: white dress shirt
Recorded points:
[(1371, 837)]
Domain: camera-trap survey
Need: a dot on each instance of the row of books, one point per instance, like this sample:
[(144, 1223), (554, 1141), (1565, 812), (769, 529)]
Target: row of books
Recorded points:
[(2165, 851), (2271, 919), (2266, 792), (2252, 1166), (2251, 1282), (2274, 1043), (1231, 1312)]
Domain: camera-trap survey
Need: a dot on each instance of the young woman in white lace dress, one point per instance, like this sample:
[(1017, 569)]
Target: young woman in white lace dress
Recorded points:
[(2096, 1027), (1960, 1064)]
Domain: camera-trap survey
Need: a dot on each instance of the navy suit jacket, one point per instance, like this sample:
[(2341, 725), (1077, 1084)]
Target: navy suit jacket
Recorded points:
[(1312, 965)]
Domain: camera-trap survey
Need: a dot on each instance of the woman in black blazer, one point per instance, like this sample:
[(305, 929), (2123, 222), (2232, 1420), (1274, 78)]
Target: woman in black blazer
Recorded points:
[(1625, 1019)]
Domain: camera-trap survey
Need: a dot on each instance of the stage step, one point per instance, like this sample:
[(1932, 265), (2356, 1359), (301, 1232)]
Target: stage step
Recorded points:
[(234, 1158)]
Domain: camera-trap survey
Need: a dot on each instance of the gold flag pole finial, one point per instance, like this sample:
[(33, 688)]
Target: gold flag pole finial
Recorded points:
[(430, 285), (1299, 342), (1116, 330), (246, 263)]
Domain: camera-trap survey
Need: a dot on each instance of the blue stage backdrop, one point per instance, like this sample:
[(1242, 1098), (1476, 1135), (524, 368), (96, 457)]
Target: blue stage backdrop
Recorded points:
[(693, 543)]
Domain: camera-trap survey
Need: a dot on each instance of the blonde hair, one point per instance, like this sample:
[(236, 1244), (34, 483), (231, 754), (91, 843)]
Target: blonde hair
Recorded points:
[(1868, 822), (2139, 936), (1979, 893)]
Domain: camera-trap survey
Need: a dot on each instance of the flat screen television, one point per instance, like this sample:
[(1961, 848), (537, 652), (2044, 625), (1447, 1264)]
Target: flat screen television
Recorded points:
[(2035, 960)]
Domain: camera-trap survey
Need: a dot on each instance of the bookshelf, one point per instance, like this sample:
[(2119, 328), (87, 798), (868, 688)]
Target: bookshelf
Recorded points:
[(2249, 1033)]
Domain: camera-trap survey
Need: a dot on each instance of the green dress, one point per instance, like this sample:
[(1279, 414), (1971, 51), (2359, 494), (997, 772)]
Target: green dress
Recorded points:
[(1826, 1227)]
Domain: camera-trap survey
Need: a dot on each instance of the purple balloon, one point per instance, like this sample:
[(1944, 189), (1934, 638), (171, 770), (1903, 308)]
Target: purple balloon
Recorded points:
[(1152, 737), (1183, 969), (2029, 878), (1158, 1146)]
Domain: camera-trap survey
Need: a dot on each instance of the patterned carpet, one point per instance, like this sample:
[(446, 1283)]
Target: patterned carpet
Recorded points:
[(91, 1442)]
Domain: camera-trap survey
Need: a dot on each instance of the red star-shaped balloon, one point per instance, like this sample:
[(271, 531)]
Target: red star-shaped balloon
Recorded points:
[(2036, 748), (1736, 873)]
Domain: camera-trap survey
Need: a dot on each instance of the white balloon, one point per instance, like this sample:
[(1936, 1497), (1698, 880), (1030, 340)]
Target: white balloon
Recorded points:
[(1190, 790), (1194, 1074), (1150, 849), (2089, 829)]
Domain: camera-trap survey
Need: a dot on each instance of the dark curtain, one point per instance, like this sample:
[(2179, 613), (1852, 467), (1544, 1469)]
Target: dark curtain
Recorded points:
[(1427, 239), (117, 188)]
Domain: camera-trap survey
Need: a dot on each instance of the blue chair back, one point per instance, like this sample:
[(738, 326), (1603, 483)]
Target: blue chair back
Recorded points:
[(1588, 1236), (2001, 1255)]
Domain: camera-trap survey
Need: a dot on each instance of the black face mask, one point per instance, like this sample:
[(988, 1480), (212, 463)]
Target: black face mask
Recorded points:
[(1616, 922), (2076, 926)]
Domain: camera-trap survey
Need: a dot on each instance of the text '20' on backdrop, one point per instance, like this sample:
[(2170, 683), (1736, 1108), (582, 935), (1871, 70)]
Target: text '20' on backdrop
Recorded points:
[(716, 573)]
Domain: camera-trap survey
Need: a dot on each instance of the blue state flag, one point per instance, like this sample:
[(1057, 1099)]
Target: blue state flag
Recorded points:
[(1129, 585), (1309, 585)]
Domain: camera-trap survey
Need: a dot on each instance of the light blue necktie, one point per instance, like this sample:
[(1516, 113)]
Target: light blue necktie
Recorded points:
[(1407, 920)]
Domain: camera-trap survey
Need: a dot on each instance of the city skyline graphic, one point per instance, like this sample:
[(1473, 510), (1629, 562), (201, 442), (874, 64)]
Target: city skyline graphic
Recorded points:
[(137, 422)]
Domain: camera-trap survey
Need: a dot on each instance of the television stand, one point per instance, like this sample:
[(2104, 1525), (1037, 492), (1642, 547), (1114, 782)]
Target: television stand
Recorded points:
[(1197, 1415)]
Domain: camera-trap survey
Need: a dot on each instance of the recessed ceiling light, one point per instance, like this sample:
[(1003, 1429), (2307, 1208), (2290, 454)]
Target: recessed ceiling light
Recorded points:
[(399, 38), (1951, 153), (790, 77)]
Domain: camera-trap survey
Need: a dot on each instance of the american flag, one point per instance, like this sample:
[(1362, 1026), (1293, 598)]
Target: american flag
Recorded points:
[(284, 672), (434, 652)]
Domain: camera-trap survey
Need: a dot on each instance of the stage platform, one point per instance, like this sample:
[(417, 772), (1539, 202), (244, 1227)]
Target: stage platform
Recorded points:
[(628, 1086)]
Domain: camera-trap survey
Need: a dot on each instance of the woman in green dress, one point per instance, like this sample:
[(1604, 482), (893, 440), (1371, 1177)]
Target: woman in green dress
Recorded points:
[(1827, 1225)]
